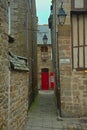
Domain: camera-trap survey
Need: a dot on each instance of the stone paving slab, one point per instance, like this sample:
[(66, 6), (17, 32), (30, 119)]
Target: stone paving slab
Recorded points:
[(43, 115)]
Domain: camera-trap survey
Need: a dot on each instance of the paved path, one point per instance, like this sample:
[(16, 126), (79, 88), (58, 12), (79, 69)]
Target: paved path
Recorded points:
[(43, 115)]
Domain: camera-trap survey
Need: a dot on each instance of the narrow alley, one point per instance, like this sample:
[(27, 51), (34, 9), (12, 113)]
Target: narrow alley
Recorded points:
[(43, 115), (43, 64)]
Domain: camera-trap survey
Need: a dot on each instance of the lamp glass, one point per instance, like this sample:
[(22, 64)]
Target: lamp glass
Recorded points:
[(61, 19)]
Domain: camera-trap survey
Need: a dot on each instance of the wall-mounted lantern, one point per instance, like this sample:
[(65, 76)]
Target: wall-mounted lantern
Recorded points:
[(45, 39), (61, 15)]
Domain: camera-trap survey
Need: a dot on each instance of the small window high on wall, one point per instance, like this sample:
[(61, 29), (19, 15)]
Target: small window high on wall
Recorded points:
[(44, 53), (9, 18), (79, 41), (79, 5), (30, 3), (10, 37)]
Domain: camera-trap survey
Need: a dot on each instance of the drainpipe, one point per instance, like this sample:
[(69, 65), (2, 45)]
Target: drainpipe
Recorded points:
[(9, 102), (32, 27), (59, 98), (27, 32), (33, 60), (9, 18)]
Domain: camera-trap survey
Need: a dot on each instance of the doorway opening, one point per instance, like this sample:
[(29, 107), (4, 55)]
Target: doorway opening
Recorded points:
[(45, 79)]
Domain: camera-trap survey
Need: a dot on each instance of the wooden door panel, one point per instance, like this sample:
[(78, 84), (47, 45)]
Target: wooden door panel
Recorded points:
[(45, 80)]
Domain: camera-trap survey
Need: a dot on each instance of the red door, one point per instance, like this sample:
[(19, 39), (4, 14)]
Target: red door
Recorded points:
[(45, 79)]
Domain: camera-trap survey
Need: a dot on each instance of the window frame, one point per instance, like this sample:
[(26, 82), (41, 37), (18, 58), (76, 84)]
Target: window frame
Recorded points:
[(79, 9), (83, 46)]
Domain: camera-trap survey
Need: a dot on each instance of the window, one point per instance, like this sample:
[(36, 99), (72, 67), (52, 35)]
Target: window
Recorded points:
[(27, 30), (80, 5), (44, 53), (30, 3), (79, 41), (44, 49), (10, 37), (9, 18)]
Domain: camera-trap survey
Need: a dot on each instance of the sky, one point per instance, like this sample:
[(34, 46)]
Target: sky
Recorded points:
[(43, 11)]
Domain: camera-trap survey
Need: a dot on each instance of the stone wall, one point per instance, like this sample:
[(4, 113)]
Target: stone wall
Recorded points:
[(14, 85), (73, 83), (4, 70), (34, 46), (24, 31), (64, 43), (79, 93), (21, 29), (18, 99)]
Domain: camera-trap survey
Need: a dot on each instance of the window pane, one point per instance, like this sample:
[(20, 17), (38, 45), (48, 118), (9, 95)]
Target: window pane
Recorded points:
[(81, 57), (79, 3), (30, 3), (75, 57), (81, 30), (86, 57), (46, 49), (9, 18), (75, 37)]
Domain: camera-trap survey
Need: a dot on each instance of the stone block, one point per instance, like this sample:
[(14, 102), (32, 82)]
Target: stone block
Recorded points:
[(85, 82)]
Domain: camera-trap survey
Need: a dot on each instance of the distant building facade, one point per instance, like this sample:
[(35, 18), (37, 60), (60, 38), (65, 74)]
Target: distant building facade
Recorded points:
[(44, 58)]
